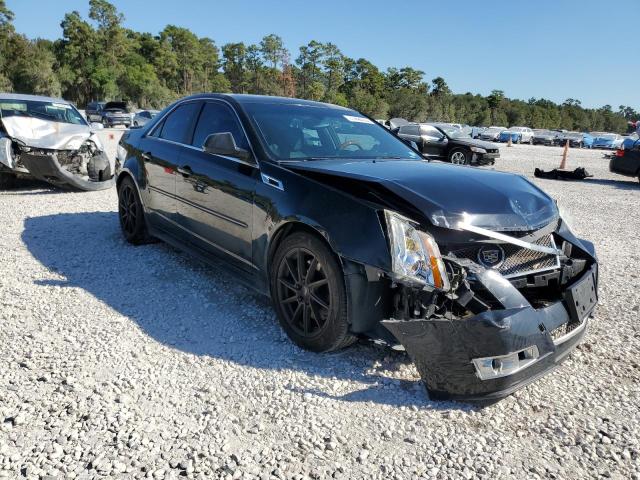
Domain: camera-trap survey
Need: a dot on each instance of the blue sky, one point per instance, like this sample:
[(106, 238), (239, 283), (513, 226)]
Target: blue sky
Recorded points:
[(584, 49)]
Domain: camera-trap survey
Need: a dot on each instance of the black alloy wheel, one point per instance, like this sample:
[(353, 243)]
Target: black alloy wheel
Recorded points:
[(307, 288), (131, 213)]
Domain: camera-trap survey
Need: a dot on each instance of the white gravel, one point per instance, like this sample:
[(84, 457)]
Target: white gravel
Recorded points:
[(127, 362)]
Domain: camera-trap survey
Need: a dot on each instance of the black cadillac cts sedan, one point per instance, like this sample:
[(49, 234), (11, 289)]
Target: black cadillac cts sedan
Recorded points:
[(353, 234)]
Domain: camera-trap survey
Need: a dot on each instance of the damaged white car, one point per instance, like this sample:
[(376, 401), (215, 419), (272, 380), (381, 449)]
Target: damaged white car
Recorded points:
[(48, 139)]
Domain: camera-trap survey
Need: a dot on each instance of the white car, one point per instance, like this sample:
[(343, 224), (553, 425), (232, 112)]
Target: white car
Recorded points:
[(517, 135), (48, 139)]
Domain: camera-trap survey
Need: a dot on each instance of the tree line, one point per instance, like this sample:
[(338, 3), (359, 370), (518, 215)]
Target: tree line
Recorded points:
[(99, 59)]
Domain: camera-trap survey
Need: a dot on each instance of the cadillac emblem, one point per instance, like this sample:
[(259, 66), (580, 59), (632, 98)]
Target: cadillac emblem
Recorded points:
[(491, 256)]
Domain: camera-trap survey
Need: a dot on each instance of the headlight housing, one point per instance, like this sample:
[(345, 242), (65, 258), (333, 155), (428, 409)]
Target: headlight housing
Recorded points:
[(478, 150), (415, 256)]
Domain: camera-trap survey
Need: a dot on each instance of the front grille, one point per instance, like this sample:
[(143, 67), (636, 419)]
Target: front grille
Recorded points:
[(517, 261)]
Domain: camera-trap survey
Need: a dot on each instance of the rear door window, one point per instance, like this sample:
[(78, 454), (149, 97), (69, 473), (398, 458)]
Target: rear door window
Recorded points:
[(178, 126)]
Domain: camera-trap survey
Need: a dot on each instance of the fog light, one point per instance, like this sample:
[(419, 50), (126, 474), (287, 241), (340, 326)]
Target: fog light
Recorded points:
[(504, 365)]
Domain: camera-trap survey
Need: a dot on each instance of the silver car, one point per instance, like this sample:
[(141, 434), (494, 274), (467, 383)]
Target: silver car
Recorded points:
[(143, 116)]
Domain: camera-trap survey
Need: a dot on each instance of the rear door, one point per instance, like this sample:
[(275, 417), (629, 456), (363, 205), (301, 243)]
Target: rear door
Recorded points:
[(216, 192), (161, 150)]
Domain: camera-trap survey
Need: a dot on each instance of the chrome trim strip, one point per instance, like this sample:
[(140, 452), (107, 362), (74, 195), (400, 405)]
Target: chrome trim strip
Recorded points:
[(508, 239), (204, 100)]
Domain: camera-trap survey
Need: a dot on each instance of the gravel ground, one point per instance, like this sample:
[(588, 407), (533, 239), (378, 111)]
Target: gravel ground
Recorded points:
[(134, 362)]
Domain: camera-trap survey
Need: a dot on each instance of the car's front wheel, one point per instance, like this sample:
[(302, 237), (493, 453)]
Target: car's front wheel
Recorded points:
[(459, 157), (131, 213), (309, 295)]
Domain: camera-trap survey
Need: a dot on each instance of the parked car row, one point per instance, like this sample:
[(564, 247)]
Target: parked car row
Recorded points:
[(116, 113)]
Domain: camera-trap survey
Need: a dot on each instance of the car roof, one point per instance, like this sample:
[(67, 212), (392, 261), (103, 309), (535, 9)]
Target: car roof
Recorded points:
[(243, 99), (37, 98)]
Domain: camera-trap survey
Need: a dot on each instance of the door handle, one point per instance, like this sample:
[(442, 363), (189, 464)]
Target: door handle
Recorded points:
[(146, 156), (185, 170)]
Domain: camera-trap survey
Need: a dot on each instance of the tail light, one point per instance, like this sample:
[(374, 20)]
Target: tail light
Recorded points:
[(620, 152)]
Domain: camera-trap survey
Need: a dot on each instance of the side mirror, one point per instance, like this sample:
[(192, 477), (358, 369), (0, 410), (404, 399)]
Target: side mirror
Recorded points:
[(224, 144)]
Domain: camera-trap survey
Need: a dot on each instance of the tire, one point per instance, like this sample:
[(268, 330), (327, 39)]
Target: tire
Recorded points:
[(135, 124), (7, 180), (131, 213), (105, 123), (519, 141), (309, 294), (459, 156), (531, 141)]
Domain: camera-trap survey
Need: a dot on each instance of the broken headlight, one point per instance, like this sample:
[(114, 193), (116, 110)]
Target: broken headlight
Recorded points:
[(415, 256)]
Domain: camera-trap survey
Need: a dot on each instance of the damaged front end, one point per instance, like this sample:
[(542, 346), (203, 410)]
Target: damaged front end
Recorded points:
[(65, 155), (509, 307)]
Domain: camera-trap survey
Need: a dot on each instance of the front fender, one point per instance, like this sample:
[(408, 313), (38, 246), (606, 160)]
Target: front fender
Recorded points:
[(351, 227)]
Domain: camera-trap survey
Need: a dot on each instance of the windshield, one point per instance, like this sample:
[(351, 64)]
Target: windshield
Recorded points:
[(52, 111), (453, 132), (306, 132)]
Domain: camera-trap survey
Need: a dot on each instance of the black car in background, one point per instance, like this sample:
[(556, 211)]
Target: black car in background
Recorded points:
[(351, 233), (546, 137), (449, 144), (93, 111), (626, 162)]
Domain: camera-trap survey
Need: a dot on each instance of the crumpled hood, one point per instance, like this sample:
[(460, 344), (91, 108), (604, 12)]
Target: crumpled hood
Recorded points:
[(39, 133), (450, 194)]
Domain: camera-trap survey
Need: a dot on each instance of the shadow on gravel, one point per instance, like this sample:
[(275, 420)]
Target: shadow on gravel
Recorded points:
[(629, 184), (201, 310), (27, 186)]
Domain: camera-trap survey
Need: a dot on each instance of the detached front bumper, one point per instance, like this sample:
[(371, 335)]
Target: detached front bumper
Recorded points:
[(447, 352), (48, 168), (488, 158)]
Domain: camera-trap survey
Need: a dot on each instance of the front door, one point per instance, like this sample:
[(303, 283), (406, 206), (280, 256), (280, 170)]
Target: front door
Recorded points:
[(215, 193)]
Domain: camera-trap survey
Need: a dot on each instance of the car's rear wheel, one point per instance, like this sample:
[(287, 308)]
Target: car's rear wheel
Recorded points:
[(309, 295), (7, 180), (131, 213), (459, 157), (531, 141)]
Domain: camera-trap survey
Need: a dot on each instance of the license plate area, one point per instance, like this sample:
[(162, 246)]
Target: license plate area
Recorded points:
[(581, 298)]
